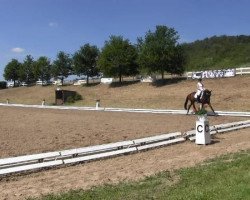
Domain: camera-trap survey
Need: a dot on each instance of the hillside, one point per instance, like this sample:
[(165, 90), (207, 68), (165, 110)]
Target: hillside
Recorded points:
[(227, 94), (218, 52)]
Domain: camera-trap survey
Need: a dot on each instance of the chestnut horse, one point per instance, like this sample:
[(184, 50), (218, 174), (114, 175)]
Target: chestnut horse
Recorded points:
[(204, 100)]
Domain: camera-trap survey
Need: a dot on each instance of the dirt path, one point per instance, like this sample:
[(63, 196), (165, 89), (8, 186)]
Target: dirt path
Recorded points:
[(26, 131)]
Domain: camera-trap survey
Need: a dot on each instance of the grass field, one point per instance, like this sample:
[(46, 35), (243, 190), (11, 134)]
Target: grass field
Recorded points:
[(224, 178)]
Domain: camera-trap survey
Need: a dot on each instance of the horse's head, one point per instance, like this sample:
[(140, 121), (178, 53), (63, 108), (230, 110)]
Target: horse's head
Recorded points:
[(207, 94)]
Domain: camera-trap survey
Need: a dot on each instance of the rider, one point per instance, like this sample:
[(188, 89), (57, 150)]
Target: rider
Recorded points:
[(200, 89)]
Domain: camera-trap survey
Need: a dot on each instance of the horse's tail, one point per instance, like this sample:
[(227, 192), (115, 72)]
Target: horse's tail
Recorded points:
[(185, 104)]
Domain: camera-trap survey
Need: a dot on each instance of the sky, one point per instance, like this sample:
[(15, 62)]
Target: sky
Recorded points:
[(45, 27)]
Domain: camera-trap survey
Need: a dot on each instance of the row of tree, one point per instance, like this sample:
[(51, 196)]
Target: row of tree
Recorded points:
[(218, 52), (157, 52)]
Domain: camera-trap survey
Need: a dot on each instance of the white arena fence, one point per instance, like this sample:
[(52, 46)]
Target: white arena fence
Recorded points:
[(242, 71), (154, 111), (73, 156)]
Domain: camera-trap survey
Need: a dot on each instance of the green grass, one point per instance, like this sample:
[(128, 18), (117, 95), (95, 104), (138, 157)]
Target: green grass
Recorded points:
[(223, 178)]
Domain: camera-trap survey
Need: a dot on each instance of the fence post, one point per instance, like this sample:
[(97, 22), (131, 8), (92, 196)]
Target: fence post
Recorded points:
[(97, 104)]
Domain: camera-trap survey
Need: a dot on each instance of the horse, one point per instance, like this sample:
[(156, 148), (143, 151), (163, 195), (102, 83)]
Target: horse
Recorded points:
[(204, 100)]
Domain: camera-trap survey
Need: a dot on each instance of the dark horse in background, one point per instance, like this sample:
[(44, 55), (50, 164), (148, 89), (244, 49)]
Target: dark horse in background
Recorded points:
[(205, 99)]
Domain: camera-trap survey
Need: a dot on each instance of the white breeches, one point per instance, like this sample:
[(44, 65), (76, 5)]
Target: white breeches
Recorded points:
[(197, 93)]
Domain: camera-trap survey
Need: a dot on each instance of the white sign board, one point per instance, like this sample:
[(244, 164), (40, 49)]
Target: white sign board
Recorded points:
[(214, 73), (202, 132)]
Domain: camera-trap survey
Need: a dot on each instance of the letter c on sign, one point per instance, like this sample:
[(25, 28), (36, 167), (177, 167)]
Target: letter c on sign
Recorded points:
[(198, 128)]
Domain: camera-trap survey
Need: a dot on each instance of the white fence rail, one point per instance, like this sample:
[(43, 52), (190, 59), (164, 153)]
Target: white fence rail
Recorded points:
[(243, 70), (51, 159), (154, 111)]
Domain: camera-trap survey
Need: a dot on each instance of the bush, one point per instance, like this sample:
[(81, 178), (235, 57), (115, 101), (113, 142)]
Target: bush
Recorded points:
[(70, 99), (201, 112), (77, 97)]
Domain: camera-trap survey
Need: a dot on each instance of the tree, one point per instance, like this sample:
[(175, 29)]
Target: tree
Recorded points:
[(11, 70), (178, 61), (85, 61), (42, 69), (118, 58), (26, 70), (157, 49), (61, 67)]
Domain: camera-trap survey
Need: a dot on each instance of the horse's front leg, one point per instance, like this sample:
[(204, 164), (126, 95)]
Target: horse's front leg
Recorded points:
[(212, 108), (201, 106)]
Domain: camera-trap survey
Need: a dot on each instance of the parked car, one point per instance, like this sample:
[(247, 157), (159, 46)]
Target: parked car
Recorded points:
[(10, 84), (41, 83), (148, 79), (80, 82), (57, 82), (23, 84), (106, 80)]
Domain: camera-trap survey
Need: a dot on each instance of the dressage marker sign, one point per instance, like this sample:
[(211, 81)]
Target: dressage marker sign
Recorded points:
[(202, 132)]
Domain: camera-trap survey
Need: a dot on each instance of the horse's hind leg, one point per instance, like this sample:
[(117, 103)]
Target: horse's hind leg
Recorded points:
[(188, 108), (194, 108)]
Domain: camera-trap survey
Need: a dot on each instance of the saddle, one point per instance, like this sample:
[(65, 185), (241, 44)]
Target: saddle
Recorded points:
[(198, 99)]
